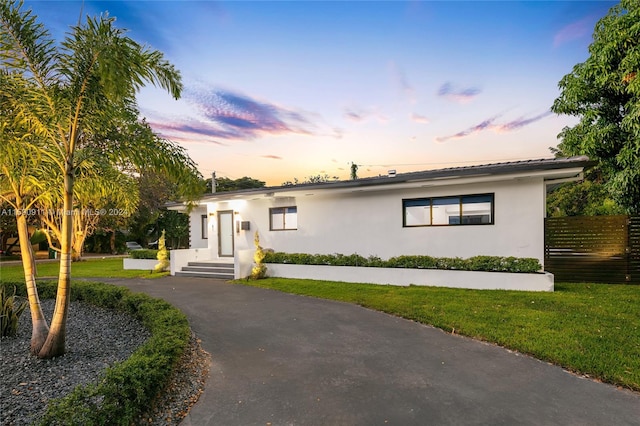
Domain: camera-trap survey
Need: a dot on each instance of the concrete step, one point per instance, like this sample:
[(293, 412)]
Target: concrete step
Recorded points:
[(220, 276), (210, 269), (211, 264), (213, 269)]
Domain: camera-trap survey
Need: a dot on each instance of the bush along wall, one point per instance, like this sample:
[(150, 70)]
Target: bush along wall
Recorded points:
[(147, 254), (476, 263), (127, 389)]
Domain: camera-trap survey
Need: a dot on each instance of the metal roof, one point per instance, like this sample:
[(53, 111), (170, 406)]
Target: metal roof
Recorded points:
[(505, 168)]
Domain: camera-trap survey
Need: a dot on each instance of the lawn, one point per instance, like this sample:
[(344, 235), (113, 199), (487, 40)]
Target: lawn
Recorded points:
[(591, 329), (92, 268)]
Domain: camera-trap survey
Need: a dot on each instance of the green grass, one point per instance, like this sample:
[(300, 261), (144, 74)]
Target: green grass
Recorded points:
[(92, 268), (591, 329)]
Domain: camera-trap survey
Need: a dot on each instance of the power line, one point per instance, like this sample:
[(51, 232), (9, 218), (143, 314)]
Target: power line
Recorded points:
[(443, 162)]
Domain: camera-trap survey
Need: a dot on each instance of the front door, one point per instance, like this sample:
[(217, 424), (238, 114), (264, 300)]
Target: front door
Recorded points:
[(225, 233)]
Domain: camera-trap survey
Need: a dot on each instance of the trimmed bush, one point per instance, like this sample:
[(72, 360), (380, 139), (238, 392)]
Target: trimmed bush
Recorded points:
[(147, 254), (476, 263), (127, 389)]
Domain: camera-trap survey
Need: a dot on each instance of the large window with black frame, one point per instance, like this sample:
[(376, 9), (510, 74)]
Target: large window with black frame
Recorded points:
[(476, 209)]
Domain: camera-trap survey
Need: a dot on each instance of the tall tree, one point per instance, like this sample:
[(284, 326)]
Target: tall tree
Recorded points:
[(69, 92), (227, 184), (155, 191), (604, 91), (100, 191), (586, 198), (319, 178), (20, 189)]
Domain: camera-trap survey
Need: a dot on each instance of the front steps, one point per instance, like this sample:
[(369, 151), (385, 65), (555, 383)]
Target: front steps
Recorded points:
[(217, 270)]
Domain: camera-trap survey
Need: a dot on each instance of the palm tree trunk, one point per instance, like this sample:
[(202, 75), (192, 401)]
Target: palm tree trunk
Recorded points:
[(40, 329), (55, 344)]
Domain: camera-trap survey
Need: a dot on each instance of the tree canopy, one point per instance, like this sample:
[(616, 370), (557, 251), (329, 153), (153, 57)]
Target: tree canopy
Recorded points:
[(226, 184), (604, 92)]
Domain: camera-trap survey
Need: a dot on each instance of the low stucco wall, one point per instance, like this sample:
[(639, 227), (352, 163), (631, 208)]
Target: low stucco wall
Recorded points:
[(427, 277), (243, 262), (143, 264), (182, 257)]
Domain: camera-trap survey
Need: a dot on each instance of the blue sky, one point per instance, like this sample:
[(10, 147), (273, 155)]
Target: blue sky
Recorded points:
[(278, 90)]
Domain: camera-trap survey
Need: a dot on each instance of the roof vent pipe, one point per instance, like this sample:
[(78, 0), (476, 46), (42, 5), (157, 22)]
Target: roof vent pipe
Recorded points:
[(392, 173)]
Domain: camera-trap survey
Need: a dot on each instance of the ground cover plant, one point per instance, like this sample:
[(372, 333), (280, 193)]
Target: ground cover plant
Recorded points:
[(590, 329), (92, 268), (126, 389)]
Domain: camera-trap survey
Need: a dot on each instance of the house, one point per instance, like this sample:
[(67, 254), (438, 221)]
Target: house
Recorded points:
[(494, 209)]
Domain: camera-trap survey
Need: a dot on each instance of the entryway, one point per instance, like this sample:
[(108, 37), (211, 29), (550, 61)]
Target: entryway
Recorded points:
[(225, 233)]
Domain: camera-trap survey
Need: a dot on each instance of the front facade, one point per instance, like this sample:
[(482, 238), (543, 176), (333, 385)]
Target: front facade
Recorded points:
[(495, 210)]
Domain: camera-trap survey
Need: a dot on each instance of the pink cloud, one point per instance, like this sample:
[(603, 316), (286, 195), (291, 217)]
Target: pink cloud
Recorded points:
[(489, 124), (228, 115), (486, 124), (273, 157), (520, 122), (419, 118), (456, 94), (574, 31), (402, 83), (358, 115), (354, 116)]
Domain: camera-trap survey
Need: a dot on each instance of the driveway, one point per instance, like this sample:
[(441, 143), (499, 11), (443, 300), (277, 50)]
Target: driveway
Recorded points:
[(281, 359)]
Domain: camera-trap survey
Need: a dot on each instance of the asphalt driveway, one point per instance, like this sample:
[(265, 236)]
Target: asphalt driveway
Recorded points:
[(281, 359)]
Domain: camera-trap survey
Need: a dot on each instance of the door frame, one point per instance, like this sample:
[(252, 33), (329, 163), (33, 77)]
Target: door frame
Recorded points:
[(233, 242)]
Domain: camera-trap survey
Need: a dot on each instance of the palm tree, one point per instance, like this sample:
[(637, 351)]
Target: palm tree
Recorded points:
[(65, 94), (100, 190), (21, 189)]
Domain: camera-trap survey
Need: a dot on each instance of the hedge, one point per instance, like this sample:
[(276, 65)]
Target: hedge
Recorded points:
[(127, 389), (476, 263), (146, 254)]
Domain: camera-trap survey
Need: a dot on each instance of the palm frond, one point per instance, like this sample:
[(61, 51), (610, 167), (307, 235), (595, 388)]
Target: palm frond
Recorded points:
[(26, 45)]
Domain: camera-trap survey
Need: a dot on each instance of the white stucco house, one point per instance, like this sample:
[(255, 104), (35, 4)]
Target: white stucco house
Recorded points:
[(494, 209)]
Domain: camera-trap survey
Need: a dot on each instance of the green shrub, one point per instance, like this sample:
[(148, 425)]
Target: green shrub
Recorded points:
[(126, 389), (146, 254), (259, 270), (162, 255), (11, 307), (476, 263)]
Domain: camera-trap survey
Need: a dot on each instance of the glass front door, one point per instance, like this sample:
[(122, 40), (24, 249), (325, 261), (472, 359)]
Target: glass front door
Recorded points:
[(225, 233)]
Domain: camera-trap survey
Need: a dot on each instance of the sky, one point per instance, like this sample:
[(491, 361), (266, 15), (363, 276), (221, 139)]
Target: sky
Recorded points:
[(278, 90)]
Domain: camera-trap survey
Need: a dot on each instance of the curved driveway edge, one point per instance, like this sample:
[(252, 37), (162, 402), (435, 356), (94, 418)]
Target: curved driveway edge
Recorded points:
[(282, 359)]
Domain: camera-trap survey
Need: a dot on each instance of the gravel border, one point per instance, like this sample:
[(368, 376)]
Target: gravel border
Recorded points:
[(96, 339)]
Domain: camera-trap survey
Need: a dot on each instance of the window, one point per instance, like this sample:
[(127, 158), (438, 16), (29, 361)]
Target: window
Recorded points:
[(283, 218), (458, 210), (204, 222), (417, 212)]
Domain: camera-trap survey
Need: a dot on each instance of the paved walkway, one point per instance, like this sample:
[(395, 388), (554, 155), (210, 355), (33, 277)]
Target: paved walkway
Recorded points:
[(280, 359)]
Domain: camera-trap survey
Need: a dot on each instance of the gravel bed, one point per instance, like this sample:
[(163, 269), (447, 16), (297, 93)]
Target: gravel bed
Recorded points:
[(96, 339)]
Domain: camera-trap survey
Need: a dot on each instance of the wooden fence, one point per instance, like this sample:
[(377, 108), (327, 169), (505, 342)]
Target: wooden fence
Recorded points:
[(600, 249)]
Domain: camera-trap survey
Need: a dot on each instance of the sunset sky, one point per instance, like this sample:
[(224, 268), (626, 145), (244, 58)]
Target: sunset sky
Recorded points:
[(278, 90)]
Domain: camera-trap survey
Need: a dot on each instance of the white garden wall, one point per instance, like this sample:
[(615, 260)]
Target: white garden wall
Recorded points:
[(142, 264), (424, 277), (181, 257)]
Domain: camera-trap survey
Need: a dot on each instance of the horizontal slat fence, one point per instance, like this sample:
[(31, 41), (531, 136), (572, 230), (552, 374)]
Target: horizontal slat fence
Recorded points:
[(634, 249), (604, 249)]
